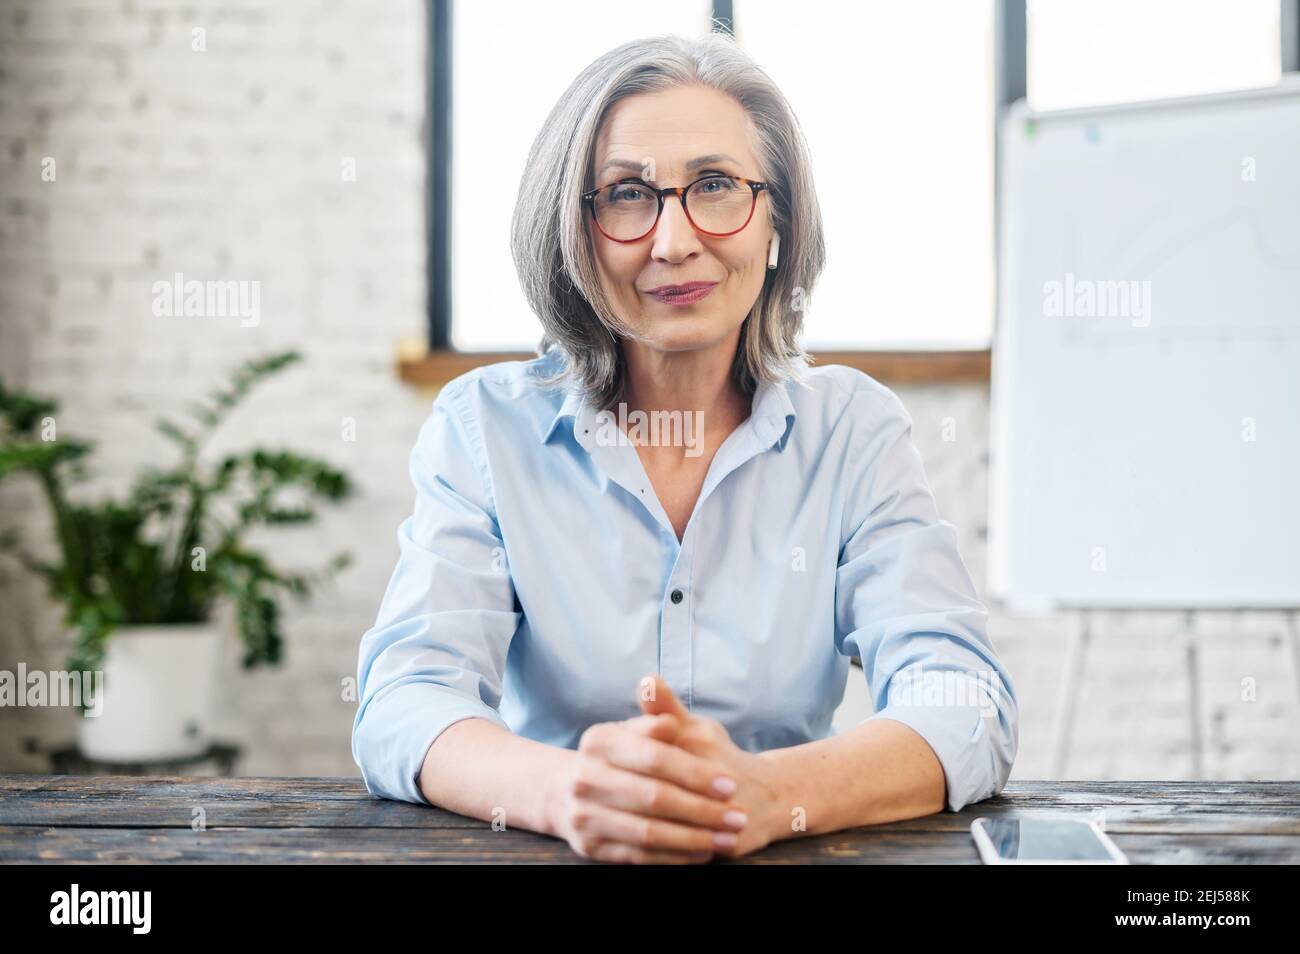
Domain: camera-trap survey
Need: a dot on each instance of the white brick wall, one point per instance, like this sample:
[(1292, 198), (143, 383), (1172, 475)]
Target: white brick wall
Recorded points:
[(226, 164), (223, 164)]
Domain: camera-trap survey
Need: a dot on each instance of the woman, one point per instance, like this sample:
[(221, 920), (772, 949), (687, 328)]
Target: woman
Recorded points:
[(636, 643)]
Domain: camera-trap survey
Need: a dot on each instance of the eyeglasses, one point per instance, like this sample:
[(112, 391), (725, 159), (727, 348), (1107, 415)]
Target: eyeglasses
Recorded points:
[(716, 205)]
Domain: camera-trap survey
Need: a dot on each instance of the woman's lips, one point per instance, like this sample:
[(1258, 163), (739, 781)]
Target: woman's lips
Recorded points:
[(686, 294)]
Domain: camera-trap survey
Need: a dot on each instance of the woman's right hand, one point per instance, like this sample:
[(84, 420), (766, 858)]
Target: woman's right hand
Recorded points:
[(629, 794)]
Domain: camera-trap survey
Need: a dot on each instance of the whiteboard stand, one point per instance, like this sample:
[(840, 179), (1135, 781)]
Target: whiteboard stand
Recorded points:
[(1294, 618), (1079, 641), (1076, 649)]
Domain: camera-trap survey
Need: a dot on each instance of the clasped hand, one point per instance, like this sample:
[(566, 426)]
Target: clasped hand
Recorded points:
[(665, 787)]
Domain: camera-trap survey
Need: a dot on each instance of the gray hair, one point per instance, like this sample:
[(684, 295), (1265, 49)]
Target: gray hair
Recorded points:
[(549, 240)]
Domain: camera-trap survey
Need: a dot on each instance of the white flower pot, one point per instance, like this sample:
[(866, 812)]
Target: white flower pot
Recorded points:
[(159, 690)]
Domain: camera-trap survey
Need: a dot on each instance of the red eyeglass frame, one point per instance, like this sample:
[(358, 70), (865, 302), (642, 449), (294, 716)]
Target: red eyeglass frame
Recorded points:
[(589, 199)]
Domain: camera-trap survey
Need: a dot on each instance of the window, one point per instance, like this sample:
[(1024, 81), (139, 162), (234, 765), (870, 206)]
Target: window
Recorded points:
[(1088, 52), (512, 60), (910, 258), (897, 99)]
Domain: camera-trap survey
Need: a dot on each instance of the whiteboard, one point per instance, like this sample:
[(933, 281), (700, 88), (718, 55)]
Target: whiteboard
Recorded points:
[(1145, 431)]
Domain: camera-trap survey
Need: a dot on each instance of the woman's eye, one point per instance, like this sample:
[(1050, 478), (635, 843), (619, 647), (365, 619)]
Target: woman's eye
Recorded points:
[(626, 194)]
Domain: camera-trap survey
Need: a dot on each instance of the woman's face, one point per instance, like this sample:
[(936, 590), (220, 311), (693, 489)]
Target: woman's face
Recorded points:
[(659, 137)]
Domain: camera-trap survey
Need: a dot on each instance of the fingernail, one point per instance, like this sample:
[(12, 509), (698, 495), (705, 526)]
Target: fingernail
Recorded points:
[(735, 819), (724, 840), (724, 786)]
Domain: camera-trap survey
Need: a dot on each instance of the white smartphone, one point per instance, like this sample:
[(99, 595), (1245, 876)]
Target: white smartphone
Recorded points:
[(1043, 840)]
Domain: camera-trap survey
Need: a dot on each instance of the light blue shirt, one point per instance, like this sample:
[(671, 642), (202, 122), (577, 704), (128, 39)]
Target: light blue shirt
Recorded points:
[(539, 579)]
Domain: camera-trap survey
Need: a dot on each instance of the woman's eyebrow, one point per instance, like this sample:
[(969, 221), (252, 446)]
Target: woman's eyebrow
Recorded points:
[(709, 160), (621, 164), (696, 163)]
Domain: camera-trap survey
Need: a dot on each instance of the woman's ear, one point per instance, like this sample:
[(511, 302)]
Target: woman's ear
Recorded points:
[(774, 250)]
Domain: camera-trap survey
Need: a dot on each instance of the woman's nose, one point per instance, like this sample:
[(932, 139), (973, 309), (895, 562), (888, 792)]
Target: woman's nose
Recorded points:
[(674, 237)]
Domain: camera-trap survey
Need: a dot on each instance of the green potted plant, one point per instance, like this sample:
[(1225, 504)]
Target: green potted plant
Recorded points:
[(139, 577)]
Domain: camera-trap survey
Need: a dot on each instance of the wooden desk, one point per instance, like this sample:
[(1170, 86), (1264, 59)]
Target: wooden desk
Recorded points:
[(58, 818)]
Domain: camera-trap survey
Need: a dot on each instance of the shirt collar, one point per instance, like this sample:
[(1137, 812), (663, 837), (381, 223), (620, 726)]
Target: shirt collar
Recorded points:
[(771, 413), (573, 403)]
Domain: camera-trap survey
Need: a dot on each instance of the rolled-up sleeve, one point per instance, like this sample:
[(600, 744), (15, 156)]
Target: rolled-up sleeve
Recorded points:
[(437, 652), (906, 606)]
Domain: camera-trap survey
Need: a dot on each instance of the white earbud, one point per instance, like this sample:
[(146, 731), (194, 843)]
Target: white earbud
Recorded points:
[(774, 250)]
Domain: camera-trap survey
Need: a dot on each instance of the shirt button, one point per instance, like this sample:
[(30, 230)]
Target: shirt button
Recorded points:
[(676, 596)]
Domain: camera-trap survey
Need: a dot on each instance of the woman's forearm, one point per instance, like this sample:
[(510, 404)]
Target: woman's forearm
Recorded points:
[(477, 768), (880, 771)]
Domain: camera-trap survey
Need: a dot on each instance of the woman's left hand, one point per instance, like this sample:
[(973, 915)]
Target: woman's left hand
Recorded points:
[(760, 789)]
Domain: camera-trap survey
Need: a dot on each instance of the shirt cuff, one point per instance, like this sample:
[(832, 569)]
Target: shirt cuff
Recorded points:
[(975, 744), (397, 729)]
